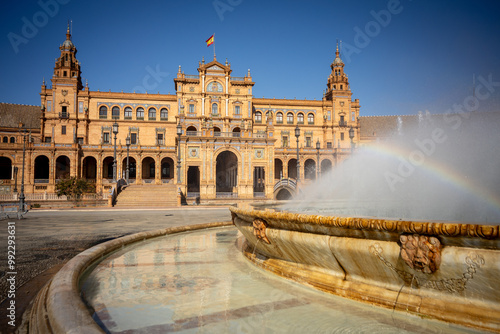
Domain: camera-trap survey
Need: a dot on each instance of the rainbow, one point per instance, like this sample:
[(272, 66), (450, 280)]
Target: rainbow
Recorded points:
[(443, 172)]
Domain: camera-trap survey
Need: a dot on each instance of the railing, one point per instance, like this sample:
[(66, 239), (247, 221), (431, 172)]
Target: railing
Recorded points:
[(259, 194), (285, 182), (49, 197), (191, 194), (343, 123), (41, 180), (191, 76), (147, 181), (166, 180), (64, 115), (237, 78), (230, 194), (193, 133)]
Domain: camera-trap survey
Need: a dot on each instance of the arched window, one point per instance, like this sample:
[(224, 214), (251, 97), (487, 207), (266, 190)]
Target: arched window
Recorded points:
[(216, 131), (5, 139), (164, 114), (289, 118), (300, 118), (310, 118), (152, 113), (140, 113), (279, 118), (258, 117), (127, 113), (12, 140), (103, 112), (215, 109), (191, 131), (115, 112)]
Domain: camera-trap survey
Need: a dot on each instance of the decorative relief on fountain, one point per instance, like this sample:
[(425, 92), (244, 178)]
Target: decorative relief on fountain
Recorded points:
[(452, 285), (259, 230), (421, 253)]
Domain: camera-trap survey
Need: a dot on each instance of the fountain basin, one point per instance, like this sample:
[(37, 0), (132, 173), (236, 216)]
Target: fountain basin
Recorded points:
[(59, 308), (443, 270)]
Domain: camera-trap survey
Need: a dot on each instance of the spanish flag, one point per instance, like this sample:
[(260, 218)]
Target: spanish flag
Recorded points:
[(210, 41)]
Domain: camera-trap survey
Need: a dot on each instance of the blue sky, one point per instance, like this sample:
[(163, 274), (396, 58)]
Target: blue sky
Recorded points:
[(401, 56)]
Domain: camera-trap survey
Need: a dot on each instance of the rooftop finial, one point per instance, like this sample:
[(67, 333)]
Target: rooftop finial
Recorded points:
[(68, 32), (337, 60), (179, 69), (248, 74), (203, 60), (226, 62)]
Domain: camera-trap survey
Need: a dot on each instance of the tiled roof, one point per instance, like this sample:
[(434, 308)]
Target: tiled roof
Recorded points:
[(12, 114)]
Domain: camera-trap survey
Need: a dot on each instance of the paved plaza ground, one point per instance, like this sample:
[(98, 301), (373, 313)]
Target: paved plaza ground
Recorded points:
[(46, 239)]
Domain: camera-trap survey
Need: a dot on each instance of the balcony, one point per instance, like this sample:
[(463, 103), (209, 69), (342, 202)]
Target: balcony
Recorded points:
[(343, 123), (64, 114)]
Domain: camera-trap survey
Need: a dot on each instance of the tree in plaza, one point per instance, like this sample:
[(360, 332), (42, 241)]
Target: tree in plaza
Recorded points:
[(74, 188)]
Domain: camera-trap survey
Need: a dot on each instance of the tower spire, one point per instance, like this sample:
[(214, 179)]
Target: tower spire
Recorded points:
[(68, 33)]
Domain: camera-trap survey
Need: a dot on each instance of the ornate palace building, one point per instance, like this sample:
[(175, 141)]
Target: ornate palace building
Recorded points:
[(231, 144)]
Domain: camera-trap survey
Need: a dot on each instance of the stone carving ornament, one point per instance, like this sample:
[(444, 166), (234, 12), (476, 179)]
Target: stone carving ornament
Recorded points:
[(259, 230), (421, 252)]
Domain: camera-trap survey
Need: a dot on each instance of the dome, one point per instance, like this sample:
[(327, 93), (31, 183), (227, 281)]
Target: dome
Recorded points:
[(68, 44), (337, 61)]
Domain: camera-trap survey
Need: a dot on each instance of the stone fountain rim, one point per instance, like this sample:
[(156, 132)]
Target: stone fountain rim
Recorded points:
[(432, 228), (59, 306)]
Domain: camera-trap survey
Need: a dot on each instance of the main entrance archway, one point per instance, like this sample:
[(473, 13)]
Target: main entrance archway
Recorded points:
[(226, 176)]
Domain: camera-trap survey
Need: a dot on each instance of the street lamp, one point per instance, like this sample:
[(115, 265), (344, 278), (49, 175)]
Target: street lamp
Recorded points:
[(179, 133), (127, 142), (317, 167), (351, 135), (115, 132), (21, 196), (297, 135)]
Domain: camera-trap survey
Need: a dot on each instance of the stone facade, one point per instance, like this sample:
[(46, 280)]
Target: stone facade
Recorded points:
[(232, 144)]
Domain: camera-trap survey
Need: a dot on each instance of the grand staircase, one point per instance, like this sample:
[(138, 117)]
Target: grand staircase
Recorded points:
[(147, 195)]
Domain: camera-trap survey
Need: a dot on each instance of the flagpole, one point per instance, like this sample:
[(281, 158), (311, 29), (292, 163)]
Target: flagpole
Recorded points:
[(214, 46)]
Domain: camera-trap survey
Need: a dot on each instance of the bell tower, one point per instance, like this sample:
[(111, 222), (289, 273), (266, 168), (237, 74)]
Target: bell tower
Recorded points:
[(67, 68), (338, 82), (61, 114)]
